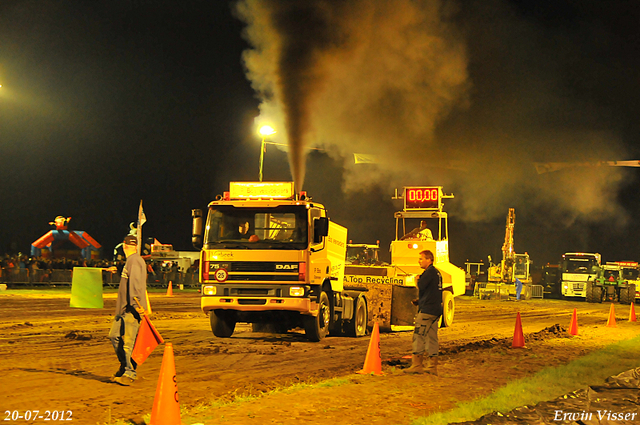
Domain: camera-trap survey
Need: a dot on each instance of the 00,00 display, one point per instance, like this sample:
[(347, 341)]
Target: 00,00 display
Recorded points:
[(422, 198)]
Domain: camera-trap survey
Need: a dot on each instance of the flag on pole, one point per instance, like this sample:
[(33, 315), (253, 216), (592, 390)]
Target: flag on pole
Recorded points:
[(147, 340), (361, 158), (141, 220)]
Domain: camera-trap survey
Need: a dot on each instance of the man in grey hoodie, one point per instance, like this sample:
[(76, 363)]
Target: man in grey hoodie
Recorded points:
[(126, 322)]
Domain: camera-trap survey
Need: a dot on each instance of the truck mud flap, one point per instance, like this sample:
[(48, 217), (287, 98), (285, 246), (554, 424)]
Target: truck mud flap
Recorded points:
[(402, 311), (390, 305)]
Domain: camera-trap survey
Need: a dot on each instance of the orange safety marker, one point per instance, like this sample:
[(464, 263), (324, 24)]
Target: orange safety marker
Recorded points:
[(632, 313), (147, 340), (611, 322), (170, 290), (373, 361), (573, 328), (518, 336), (166, 406)]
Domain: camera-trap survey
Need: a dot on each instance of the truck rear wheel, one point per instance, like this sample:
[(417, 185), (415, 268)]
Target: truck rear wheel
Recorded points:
[(316, 328), (222, 323), (597, 294), (448, 308), (357, 326), (626, 296)]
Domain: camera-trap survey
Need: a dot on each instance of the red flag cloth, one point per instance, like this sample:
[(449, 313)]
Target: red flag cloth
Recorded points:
[(148, 339)]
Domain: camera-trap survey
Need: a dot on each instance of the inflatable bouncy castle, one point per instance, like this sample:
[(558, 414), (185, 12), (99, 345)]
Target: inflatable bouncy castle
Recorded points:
[(66, 243)]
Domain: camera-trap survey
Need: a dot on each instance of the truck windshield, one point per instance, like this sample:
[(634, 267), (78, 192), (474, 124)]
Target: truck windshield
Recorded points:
[(579, 265), (281, 227), (611, 274), (362, 255)]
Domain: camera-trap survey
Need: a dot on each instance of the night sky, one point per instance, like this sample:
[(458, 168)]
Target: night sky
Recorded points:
[(104, 104)]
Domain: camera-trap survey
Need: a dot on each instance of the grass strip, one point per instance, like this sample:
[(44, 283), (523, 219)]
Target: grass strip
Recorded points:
[(547, 384)]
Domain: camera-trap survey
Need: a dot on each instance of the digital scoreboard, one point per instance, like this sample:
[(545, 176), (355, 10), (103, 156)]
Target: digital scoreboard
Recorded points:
[(422, 198)]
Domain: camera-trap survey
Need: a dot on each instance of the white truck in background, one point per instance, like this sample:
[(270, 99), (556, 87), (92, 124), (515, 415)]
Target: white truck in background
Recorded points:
[(576, 269)]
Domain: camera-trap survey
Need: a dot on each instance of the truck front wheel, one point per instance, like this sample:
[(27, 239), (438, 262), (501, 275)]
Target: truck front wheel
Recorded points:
[(357, 326), (316, 328), (222, 323)]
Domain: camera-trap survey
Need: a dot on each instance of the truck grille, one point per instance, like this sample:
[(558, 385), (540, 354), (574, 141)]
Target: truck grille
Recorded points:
[(252, 291), (252, 301), (252, 266), (262, 278), (578, 286), (254, 271)]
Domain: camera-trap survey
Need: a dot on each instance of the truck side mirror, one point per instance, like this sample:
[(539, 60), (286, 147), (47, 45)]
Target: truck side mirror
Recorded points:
[(320, 229), (196, 236)]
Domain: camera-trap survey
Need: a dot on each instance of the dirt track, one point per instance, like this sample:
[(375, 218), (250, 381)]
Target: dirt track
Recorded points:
[(57, 357)]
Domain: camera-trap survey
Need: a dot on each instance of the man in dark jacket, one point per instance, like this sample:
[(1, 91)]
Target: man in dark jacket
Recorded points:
[(429, 302), (126, 323)]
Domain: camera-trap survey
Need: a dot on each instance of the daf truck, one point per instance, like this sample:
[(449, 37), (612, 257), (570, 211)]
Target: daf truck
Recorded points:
[(270, 256)]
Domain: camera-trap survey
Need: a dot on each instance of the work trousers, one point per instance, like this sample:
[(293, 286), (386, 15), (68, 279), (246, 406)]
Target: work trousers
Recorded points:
[(425, 334), (124, 330)]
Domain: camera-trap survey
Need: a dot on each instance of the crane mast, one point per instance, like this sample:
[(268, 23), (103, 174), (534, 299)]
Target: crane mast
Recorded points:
[(508, 251)]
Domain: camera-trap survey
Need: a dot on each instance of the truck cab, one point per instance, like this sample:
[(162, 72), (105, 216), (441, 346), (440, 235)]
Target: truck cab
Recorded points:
[(577, 269)]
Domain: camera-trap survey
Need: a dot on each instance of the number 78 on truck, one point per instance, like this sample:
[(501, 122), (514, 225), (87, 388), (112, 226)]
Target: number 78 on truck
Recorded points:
[(272, 256)]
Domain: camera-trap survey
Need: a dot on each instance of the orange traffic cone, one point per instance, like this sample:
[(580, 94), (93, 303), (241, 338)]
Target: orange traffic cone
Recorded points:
[(632, 313), (611, 322), (166, 407), (373, 361), (518, 336), (573, 328), (170, 290)]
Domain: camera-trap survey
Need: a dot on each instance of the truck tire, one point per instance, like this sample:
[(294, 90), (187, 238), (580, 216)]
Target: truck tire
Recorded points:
[(357, 326), (316, 328), (632, 292), (222, 323), (597, 294), (448, 309), (625, 294), (589, 293)]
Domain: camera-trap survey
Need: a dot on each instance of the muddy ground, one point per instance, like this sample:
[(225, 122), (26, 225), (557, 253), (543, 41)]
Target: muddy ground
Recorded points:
[(53, 357)]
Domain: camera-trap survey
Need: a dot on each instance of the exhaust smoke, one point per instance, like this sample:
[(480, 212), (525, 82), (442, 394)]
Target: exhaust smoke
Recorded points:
[(467, 95)]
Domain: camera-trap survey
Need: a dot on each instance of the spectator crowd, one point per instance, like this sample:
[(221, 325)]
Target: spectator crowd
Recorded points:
[(21, 269)]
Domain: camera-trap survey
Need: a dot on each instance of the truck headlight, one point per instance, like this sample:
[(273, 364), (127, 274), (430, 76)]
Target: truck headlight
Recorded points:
[(208, 290), (296, 291)]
